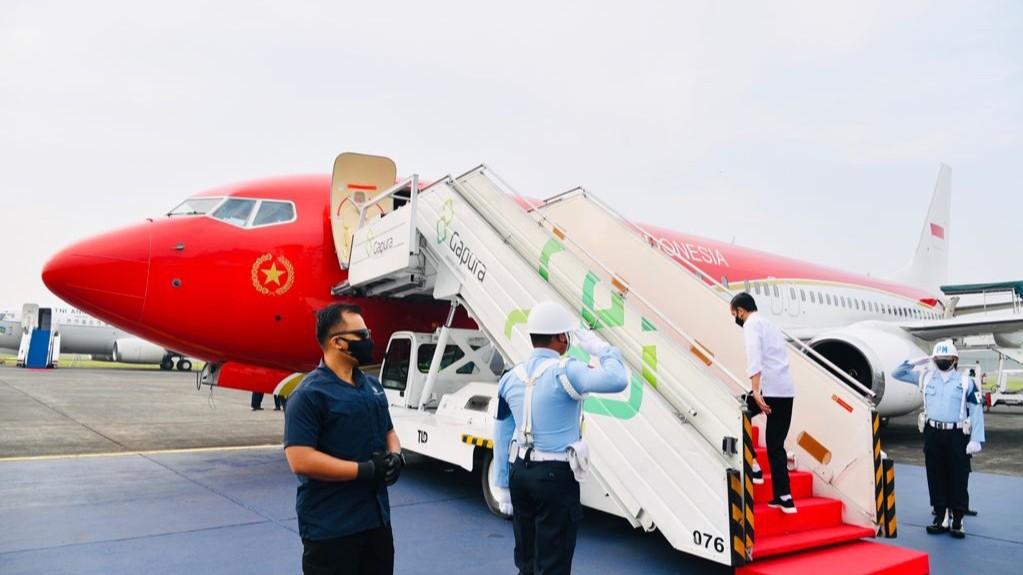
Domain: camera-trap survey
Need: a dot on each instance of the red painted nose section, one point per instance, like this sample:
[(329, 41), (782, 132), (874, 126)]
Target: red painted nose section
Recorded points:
[(105, 275)]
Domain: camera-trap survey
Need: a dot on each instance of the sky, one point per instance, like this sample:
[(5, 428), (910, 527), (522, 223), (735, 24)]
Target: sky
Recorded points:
[(812, 130)]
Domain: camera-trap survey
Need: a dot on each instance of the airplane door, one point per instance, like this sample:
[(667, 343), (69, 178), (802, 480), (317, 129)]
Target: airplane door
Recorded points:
[(45, 317), (356, 179), (793, 301)]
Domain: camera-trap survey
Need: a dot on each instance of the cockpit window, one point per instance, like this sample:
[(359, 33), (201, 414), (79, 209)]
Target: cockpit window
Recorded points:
[(235, 211), (271, 212), (195, 207)]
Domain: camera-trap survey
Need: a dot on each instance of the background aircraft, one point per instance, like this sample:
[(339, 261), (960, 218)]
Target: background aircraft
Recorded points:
[(83, 334), (252, 263)]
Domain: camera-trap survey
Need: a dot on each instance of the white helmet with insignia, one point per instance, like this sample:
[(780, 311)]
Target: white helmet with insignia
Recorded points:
[(945, 349)]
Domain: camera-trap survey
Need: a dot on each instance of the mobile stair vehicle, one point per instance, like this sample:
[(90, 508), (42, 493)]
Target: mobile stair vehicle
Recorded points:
[(671, 452)]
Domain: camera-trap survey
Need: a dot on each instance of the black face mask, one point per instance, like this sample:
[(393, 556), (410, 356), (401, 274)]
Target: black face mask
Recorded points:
[(944, 364), (739, 321), (361, 350)]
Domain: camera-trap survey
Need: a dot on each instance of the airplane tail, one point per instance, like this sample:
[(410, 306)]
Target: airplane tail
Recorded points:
[(928, 269)]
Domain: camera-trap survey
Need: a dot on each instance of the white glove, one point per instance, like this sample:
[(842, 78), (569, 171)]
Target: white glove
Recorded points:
[(972, 447), (590, 343), (921, 360), (503, 497)]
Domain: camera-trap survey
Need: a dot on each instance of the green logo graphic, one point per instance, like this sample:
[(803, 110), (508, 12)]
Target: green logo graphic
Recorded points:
[(447, 215), (612, 316)]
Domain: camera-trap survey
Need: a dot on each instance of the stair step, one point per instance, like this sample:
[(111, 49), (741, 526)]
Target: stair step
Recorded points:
[(791, 542), (801, 483), (859, 558), (811, 513)]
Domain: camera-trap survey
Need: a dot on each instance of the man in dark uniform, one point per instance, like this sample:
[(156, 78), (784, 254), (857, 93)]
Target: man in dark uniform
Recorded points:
[(340, 442)]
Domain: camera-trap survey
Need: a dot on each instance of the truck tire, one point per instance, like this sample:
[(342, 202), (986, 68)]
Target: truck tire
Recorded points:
[(486, 468)]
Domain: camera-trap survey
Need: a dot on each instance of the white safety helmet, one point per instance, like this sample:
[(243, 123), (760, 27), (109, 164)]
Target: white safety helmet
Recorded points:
[(550, 318), (945, 349)]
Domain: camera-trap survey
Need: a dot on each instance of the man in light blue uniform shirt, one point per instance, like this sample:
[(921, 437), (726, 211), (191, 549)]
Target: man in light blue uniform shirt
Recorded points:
[(540, 489), (953, 431)]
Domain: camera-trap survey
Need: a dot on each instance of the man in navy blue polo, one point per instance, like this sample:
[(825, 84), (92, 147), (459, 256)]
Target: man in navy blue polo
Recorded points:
[(340, 442)]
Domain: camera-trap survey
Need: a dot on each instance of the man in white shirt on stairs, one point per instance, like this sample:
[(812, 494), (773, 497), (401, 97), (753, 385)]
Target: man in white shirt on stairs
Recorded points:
[(767, 365)]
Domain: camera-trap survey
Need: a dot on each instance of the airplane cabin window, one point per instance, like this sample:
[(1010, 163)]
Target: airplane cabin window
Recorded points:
[(235, 211), (271, 212), (195, 207)]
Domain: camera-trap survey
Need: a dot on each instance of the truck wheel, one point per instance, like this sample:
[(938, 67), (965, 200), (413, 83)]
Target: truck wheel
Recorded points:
[(487, 468), (184, 365)]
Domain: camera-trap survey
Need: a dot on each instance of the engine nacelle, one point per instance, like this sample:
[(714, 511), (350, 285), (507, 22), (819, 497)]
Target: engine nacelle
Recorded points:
[(137, 351), (1011, 340), (869, 352)]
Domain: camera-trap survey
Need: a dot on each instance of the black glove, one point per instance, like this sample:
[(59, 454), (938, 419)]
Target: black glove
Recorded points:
[(395, 461), (374, 469)]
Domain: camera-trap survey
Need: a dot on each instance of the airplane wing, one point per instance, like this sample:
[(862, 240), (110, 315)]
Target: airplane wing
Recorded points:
[(933, 330)]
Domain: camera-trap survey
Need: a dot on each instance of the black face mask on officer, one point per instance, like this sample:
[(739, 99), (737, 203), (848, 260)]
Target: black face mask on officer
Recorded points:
[(944, 364)]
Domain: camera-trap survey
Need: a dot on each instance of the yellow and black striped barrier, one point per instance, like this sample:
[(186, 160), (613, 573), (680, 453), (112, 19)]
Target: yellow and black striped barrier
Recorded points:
[(891, 526), (878, 473), (736, 518), (748, 455), (477, 441)]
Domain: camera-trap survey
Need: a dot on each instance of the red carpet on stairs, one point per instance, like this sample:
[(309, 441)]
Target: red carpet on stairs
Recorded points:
[(814, 539), (859, 558)]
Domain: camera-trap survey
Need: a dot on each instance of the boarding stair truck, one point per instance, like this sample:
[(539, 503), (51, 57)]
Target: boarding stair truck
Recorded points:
[(842, 483), (40, 344), (666, 453)]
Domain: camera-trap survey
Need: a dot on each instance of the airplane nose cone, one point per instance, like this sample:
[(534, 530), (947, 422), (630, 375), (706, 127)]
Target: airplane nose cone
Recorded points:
[(104, 275)]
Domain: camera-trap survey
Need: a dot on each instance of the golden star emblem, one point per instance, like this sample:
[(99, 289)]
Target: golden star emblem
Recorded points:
[(273, 274)]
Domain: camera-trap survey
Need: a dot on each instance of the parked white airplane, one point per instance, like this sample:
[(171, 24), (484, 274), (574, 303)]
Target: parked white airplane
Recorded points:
[(81, 333)]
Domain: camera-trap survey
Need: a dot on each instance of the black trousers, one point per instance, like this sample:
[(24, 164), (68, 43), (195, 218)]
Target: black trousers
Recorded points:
[(778, 423), (948, 468), (545, 514), (257, 400), (365, 553)]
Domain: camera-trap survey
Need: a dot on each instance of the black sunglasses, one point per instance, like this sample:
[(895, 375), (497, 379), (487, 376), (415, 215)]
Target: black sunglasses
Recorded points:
[(362, 333)]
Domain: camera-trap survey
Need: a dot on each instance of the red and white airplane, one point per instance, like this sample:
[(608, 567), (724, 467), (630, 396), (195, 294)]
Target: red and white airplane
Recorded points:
[(235, 275)]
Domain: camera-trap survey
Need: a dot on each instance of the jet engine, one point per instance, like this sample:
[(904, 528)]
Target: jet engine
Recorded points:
[(869, 352), (138, 351)]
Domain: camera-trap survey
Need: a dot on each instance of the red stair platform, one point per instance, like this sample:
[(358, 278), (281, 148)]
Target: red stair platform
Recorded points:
[(814, 539)]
